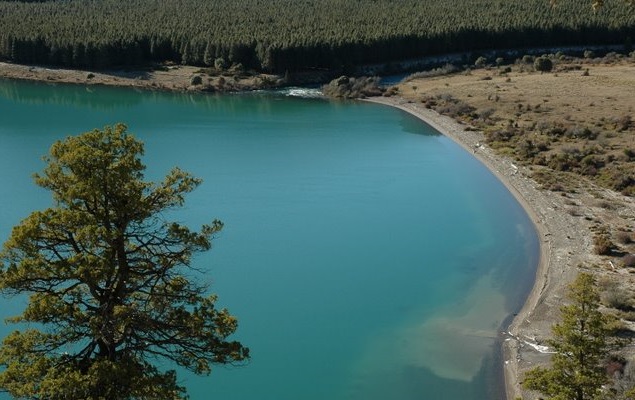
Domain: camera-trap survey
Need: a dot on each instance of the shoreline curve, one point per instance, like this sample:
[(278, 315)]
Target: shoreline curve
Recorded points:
[(521, 340)]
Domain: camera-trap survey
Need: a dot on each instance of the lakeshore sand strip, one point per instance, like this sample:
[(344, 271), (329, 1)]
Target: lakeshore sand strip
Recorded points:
[(565, 242)]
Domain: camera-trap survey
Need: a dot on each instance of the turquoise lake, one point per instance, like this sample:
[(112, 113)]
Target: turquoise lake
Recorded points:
[(366, 256)]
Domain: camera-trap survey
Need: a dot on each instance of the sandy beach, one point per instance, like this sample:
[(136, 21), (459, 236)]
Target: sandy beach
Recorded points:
[(565, 243)]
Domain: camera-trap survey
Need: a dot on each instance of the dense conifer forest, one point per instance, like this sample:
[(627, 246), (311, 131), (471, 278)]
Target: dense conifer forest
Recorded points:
[(291, 35)]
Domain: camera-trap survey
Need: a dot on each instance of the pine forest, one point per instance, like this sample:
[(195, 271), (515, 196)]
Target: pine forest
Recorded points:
[(292, 35)]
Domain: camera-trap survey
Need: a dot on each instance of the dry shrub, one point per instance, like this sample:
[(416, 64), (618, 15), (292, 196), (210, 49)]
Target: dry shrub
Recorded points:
[(623, 381), (447, 69), (602, 244), (346, 87), (628, 261), (553, 181), (605, 204), (448, 105), (615, 296), (623, 123), (624, 237), (581, 132), (618, 299), (615, 367)]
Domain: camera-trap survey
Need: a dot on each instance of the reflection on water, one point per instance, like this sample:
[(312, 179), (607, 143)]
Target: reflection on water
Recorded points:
[(415, 126), (34, 93)]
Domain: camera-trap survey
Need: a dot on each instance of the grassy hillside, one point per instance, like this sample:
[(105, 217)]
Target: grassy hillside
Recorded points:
[(290, 35)]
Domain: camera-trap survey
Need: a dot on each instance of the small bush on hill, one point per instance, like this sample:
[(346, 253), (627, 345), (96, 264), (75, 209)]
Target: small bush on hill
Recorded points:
[(602, 244), (628, 261), (543, 64), (624, 237), (447, 69), (345, 87), (480, 62)]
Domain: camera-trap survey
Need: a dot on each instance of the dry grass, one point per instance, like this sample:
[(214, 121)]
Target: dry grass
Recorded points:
[(563, 94), (568, 120)]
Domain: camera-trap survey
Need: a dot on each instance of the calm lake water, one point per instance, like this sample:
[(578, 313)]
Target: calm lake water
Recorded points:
[(366, 256)]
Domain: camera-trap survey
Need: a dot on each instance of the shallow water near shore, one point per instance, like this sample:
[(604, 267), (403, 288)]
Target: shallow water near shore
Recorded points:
[(365, 255)]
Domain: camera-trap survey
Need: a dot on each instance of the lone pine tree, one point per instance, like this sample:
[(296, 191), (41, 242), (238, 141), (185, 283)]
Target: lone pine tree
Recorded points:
[(108, 280), (580, 344)]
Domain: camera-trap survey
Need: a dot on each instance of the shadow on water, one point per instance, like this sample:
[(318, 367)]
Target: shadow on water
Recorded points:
[(412, 124)]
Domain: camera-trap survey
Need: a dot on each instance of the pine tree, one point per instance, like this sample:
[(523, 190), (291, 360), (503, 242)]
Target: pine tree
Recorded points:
[(107, 279), (580, 344)]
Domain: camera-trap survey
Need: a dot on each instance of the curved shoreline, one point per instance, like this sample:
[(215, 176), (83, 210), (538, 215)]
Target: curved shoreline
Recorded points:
[(558, 238)]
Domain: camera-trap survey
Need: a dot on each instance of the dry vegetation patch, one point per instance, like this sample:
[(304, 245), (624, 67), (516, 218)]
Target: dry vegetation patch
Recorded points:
[(572, 127), (576, 118)]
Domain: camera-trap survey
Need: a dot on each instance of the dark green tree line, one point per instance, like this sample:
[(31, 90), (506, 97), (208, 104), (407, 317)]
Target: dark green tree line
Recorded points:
[(286, 35)]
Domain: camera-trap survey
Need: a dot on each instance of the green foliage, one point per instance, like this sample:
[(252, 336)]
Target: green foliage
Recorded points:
[(480, 62), (528, 59), (107, 284), (580, 344), (619, 178), (220, 64), (196, 80), (543, 64), (283, 35), (596, 4)]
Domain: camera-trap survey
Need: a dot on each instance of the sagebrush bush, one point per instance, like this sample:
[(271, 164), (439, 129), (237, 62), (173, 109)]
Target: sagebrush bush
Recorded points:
[(617, 298), (441, 71), (602, 244), (624, 237), (543, 64), (628, 261), (623, 123), (480, 62)]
